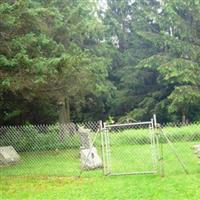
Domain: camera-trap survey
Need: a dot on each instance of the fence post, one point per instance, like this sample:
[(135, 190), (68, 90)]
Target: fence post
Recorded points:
[(103, 146), (155, 120), (159, 146), (100, 125)]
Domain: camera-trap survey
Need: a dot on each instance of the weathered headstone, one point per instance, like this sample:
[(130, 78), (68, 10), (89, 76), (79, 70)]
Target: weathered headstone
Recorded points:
[(89, 156), (197, 150), (8, 156), (86, 142)]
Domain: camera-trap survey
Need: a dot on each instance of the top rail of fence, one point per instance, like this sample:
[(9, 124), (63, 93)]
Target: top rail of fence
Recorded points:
[(127, 124)]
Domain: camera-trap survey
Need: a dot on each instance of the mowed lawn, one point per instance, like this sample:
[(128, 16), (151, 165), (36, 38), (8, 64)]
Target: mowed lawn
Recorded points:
[(61, 184), (176, 187)]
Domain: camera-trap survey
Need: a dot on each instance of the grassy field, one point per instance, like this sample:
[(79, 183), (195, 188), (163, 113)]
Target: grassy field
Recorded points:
[(177, 187), (92, 185), (124, 158), (52, 174)]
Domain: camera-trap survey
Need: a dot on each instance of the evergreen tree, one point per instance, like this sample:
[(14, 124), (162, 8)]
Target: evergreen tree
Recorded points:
[(50, 48)]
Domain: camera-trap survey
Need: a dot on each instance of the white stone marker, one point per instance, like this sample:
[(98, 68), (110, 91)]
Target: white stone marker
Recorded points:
[(89, 156), (8, 155)]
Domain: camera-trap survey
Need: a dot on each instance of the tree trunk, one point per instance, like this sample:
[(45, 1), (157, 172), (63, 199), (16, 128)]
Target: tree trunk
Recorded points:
[(183, 117), (64, 111), (64, 117), (67, 107)]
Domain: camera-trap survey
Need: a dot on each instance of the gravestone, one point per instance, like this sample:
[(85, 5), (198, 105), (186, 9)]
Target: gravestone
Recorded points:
[(197, 150), (8, 156), (86, 142), (89, 156)]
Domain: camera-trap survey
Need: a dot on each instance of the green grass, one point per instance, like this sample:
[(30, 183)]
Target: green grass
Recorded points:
[(92, 185), (125, 158), (176, 187), (54, 173), (65, 163)]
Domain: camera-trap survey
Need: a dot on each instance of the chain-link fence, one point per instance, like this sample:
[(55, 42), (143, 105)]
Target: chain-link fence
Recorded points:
[(130, 148), (148, 148), (76, 149), (183, 138), (47, 149)]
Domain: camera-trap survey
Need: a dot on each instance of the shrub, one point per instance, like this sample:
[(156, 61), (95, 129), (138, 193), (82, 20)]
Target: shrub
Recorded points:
[(37, 138)]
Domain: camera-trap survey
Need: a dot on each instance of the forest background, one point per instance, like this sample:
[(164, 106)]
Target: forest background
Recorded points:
[(86, 60)]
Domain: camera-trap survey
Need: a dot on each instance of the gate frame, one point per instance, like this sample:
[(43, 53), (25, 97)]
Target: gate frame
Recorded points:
[(155, 149)]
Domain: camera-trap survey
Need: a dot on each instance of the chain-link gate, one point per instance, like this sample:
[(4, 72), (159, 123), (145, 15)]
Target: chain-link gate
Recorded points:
[(131, 148)]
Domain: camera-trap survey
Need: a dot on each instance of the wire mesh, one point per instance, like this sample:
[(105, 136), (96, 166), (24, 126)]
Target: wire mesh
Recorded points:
[(183, 138), (46, 149), (130, 149), (55, 149)]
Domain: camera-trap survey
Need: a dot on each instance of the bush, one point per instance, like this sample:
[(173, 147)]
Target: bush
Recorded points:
[(42, 138), (37, 138)]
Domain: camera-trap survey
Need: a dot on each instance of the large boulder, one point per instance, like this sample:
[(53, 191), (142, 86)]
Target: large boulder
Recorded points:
[(8, 156)]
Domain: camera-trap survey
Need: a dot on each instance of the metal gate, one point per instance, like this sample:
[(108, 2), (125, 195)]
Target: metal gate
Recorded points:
[(130, 148)]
